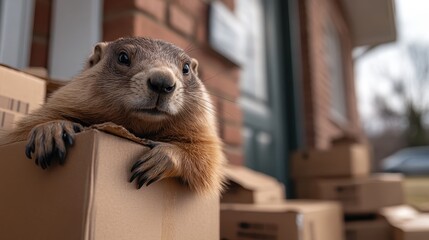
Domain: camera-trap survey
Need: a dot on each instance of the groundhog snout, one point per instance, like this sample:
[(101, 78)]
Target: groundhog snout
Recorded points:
[(161, 83)]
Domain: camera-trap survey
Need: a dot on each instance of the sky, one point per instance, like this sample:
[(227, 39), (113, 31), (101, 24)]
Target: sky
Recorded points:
[(412, 21)]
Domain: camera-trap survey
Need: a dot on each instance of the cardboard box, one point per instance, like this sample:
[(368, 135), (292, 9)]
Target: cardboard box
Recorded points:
[(90, 197), (345, 160), (292, 220), (358, 195), (248, 186), (376, 229), (398, 214), (415, 229), (20, 94), (408, 223)]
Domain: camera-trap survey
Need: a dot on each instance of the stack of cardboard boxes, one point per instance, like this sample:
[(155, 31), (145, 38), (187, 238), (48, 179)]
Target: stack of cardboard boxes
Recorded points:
[(342, 173), (90, 196), (20, 93), (254, 207)]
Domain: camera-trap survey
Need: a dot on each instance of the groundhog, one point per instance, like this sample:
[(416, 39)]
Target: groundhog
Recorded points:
[(151, 88)]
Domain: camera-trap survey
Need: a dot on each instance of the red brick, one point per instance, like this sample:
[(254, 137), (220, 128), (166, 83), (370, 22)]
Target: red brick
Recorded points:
[(230, 4), (156, 8), (180, 20), (216, 105), (119, 27), (231, 112), (39, 54), (194, 7), (232, 134), (220, 80), (41, 29), (115, 6), (219, 77), (234, 156), (138, 24), (202, 30), (223, 87), (235, 73), (145, 26), (200, 10), (218, 63), (42, 17)]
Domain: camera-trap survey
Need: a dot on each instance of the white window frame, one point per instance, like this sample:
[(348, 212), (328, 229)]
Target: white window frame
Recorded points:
[(16, 31), (253, 76), (75, 28), (334, 59)]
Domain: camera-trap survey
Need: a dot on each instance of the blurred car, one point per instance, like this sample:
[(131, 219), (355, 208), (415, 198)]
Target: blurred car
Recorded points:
[(412, 161)]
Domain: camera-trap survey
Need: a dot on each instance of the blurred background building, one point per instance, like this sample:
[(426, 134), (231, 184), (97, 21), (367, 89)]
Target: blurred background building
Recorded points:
[(280, 72)]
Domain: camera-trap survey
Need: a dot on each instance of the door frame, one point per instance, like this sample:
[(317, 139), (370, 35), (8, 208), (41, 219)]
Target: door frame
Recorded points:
[(284, 68)]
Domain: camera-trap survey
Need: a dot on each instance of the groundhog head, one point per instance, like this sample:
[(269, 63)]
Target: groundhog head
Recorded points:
[(151, 79)]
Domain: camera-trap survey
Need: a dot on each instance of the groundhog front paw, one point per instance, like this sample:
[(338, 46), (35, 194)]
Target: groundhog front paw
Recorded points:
[(48, 141), (155, 165)]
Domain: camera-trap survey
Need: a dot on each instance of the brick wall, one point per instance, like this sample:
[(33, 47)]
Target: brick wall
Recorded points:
[(182, 22), (41, 28), (320, 127)]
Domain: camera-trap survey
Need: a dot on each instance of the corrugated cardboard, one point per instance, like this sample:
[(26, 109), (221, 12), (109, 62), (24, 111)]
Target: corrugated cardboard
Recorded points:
[(292, 220), (20, 93), (248, 186), (40, 72), (90, 197), (415, 229), (344, 160), (358, 195), (398, 214), (376, 229)]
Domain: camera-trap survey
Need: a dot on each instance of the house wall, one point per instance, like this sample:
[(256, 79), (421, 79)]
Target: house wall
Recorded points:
[(320, 126)]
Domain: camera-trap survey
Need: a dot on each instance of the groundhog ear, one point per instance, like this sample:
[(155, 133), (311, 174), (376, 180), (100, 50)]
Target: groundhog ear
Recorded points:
[(194, 66), (97, 54)]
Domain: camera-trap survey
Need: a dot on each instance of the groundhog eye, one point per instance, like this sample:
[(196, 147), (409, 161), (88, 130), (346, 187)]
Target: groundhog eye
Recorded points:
[(186, 69), (124, 59)]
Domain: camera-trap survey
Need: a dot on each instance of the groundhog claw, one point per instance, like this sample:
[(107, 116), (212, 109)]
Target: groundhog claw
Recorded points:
[(155, 165), (67, 138), (48, 141), (29, 149), (153, 180), (142, 182), (151, 144)]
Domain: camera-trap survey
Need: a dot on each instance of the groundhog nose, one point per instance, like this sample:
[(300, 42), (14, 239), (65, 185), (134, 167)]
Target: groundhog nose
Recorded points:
[(161, 84)]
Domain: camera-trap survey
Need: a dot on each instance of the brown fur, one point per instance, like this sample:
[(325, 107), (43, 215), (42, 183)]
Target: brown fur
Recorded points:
[(186, 141)]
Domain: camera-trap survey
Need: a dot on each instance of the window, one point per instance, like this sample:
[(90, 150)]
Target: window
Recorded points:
[(85, 30), (253, 77), (255, 101), (16, 22), (334, 62)]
